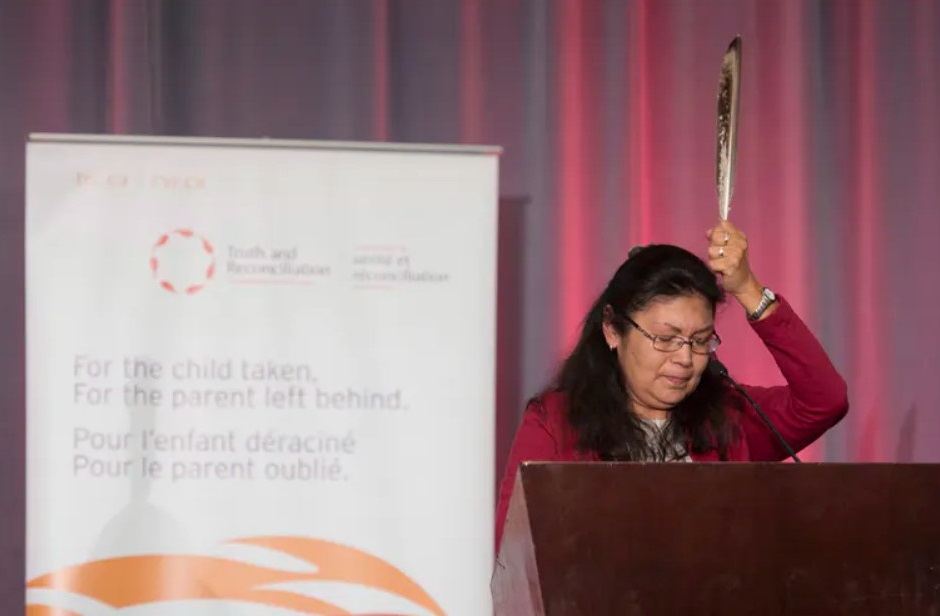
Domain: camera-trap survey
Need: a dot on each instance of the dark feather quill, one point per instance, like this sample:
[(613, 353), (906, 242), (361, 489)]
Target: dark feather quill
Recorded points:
[(729, 94)]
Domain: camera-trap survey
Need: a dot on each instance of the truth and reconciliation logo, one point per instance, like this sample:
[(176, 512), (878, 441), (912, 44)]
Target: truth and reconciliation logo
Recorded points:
[(182, 261)]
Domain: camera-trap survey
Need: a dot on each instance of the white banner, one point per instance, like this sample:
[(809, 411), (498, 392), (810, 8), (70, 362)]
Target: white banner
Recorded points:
[(260, 377)]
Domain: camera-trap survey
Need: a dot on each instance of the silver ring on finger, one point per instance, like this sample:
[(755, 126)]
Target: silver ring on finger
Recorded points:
[(721, 252), (727, 238)]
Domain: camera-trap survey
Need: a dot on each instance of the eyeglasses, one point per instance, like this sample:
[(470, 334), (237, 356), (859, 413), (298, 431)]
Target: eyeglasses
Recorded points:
[(671, 344)]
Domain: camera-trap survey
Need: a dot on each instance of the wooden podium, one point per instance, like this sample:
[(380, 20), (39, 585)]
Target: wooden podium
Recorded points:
[(628, 539)]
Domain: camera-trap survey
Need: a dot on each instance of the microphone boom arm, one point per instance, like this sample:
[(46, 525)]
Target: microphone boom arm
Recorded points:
[(717, 368)]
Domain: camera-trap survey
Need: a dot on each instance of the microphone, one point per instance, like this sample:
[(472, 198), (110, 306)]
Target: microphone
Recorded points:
[(716, 368)]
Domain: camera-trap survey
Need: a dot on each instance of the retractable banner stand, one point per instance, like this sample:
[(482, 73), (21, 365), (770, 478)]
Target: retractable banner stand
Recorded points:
[(260, 377)]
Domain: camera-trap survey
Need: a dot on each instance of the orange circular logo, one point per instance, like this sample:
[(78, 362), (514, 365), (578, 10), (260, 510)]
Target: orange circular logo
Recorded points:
[(182, 261)]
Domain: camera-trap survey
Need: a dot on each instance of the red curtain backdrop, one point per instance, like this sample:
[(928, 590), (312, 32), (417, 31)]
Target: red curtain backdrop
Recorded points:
[(606, 111)]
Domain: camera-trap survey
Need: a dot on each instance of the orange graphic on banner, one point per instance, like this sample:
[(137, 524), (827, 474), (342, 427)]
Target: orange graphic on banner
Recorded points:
[(45, 610), (136, 580)]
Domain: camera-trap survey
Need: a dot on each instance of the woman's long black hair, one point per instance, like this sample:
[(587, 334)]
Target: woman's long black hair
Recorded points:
[(592, 380)]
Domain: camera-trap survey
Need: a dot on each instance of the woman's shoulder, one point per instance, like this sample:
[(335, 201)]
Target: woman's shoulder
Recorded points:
[(550, 408)]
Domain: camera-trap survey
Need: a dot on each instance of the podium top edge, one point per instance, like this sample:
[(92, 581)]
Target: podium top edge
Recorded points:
[(591, 464), (264, 142)]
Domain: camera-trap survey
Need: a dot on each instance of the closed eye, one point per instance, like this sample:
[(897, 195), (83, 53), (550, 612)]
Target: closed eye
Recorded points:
[(695, 340)]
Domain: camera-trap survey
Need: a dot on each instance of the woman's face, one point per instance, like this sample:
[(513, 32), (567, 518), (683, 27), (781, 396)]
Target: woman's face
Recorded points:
[(658, 380)]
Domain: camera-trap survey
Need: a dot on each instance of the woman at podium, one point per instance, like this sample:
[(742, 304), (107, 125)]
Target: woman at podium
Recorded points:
[(643, 384)]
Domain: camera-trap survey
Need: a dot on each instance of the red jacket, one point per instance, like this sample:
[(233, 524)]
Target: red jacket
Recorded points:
[(814, 400)]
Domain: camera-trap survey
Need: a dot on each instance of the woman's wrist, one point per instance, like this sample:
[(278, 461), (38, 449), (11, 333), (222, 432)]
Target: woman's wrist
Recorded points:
[(749, 295)]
